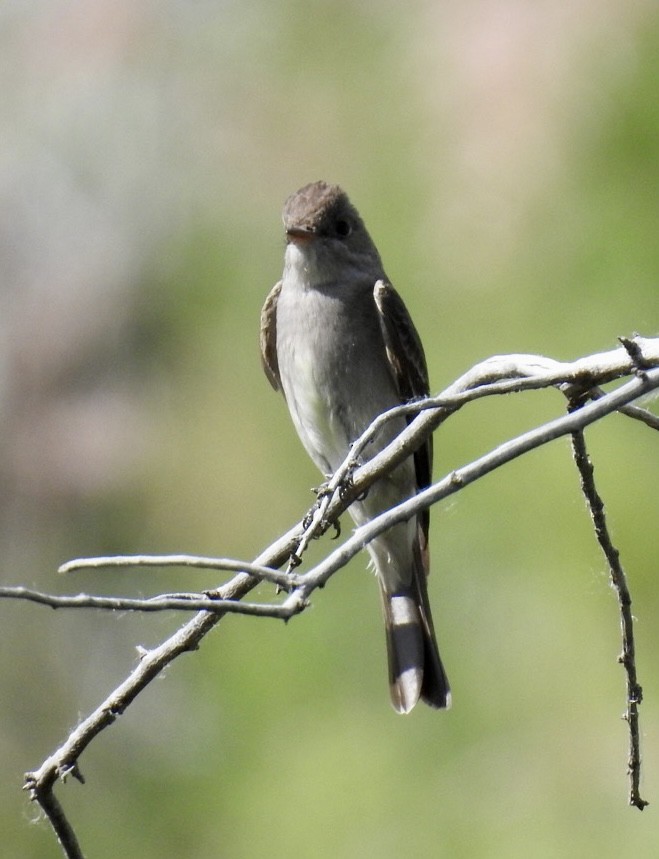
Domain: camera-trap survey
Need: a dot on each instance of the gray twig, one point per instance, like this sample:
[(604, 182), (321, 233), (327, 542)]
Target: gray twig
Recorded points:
[(619, 582)]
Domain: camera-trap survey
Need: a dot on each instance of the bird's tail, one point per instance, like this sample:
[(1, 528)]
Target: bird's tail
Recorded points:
[(415, 668)]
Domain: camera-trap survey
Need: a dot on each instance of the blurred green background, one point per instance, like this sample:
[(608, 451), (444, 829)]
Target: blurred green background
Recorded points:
[(505, 157)]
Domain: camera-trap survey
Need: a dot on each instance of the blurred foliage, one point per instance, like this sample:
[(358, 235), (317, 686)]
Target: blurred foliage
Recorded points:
[(504, 157)]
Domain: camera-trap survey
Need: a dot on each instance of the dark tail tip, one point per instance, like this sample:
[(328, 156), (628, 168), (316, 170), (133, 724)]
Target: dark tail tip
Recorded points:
[(415, 668)]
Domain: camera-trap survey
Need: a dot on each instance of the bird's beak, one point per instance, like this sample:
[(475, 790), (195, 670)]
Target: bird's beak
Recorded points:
[(300, 235)]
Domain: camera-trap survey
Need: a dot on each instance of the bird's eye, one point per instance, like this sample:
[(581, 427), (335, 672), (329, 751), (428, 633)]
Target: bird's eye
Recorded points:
[(343, 228)]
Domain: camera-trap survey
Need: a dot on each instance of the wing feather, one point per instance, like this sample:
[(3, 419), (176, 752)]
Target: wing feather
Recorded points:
[(268, 337), (410, 372)]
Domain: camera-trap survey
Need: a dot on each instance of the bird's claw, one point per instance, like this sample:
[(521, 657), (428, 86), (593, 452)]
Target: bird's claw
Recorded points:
[(347, 483)]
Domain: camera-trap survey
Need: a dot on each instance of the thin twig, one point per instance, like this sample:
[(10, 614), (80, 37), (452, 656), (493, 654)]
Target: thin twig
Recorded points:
[(58, 820), (161, 602), (40, 783), (619, 582), (267, 574), (642, 415), (635, 412)]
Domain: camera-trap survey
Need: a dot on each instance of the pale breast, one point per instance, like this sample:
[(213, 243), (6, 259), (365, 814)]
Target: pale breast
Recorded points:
[(333, 368)]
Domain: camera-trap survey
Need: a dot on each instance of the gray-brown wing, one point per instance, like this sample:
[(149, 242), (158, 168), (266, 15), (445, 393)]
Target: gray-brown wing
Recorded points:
[(408, 366), (268, 337)]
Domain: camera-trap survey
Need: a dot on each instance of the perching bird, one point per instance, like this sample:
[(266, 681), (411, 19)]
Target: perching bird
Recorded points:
[(337, 339)]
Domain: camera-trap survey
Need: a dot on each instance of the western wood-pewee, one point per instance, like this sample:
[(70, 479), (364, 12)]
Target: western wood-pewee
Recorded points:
[(337, 339)]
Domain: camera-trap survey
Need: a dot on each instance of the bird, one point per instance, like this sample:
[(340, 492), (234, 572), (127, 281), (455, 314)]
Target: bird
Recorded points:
[(337, 340)]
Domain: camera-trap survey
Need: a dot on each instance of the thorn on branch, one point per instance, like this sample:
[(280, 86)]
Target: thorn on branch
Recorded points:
[(42, 793), (294, 561), (30, 785), (72, 770), (641, 366)]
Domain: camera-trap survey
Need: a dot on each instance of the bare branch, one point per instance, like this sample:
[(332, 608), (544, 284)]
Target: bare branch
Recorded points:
[(161, 602), (619, 581), (459, 478), (363, 478), (261, 572), (55, 813), (496, 376), (40, 782)]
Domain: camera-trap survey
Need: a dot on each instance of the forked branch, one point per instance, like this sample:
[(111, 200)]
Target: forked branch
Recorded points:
[(581, 379)]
